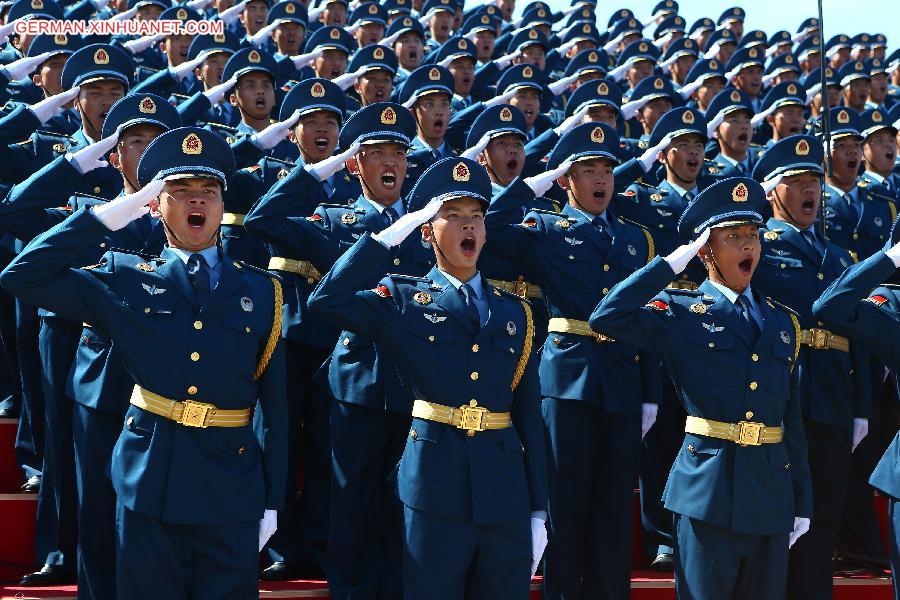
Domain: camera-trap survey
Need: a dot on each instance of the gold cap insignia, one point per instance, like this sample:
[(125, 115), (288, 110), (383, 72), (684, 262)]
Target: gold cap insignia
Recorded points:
[(254, 56), (592, 57), (740, 193), (858, 66), (689, 43), (643, 47), (101, 57), (192, 144), (505, 114), (789, 59), (843, 117), (713, 65), (147, 106), (463, 44), (603, 89), (586, 28), (876, 117), (422, 297), (698, 308), (37, 4), (736, 11), (735, 96), (434, 74), (61, 39), (687, 117), (802, 148), (317, 90), (181, 14), (289, 8), (532, 35), (388, 116), (348, 218), (484, 20), (461, 172), (542, 13), (378, 54), (632, 23), (219, 38), (792, 89), (335, 34), (597, 135), (752, 53), (865, 37), (623, 13), (659, 84), (527, 72), (373, 9)]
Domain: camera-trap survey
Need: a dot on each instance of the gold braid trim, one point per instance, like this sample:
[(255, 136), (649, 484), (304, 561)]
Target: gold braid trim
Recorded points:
[(651, 248), (893, 210), (526, 346), (274, 334), (796, 323)]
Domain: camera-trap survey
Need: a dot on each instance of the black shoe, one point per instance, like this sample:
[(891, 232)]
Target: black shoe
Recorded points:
[(280, 571), (32, 486), (878, 562), (663, 563), (49, 575)]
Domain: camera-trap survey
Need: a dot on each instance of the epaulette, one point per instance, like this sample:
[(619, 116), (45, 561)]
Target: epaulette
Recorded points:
[(145, 68), (510, 295), (686, 293), (55, 134), (138, 253), (280, 161), (239, 264), (222, 126), (401, 277), (542, 211), (643, 183), (891, 286), (185, 96), (251, 168), (784, 307), (330, 205)]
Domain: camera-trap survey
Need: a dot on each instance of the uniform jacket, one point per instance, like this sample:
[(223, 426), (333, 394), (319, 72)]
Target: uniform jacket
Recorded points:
[(866, 233)]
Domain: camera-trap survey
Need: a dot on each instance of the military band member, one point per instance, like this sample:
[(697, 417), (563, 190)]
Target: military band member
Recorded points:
[(740, 486)]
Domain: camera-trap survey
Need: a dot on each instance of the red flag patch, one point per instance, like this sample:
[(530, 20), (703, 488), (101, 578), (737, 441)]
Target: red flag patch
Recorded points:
[(657, 305)]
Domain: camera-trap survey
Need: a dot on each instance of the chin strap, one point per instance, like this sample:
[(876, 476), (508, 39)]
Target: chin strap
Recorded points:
[(715, 265), (783, 207)]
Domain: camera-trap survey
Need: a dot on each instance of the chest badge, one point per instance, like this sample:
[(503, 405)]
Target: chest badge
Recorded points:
[(434, 318), (146, 267), (246, 304), (422, 297), (711, 327), (631, 250), (152, 289), (878, 221), (511, 328), (573, 241), (698, 308), (348, 218), (785, 337), (656, 197), (563, 224), (770, 235)]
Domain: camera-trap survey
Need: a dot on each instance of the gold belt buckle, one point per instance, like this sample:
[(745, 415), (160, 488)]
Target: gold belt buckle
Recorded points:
[(194, 414), (601, 338), (749, 434), (472, 418), (821, 339)]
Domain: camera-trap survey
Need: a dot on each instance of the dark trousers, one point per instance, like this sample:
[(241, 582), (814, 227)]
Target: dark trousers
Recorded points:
[(592, 463), (810, 571), (95, 435), (714, 563), (894, 540), (57, 343), (365, 556), (157, 560), (452, 559), (303, 524), (30, 434), (658, 451)]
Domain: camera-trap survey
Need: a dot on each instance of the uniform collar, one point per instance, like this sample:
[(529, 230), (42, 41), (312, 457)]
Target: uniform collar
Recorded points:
[(211, 255), (733, 295), (475, 283), (874, 176), (680, 190), (397, 206)]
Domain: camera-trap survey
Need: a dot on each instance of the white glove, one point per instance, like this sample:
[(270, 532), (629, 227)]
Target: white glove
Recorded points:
[(688, 90), (269, 137), (347, 80), (425, 18), (558, 87), (48, 107), (539, 184), (388, 42), (188, 66), (118, 213), (860, 431), (305, 60), (24, 66), (198, 5), (315, 13), (5, 30), (801, 526), (91, 157), (682, 255), (894, 254), (99, 4), (563, 48), (538, 542), (267, 526), (232, 14), (351, 29), (771, 184), (324, 169), (504, 61), (648, 417), (478, 148), (446, 62), (402, 227), (259, 38), (648, 158), (217, 92), (570, 122), (630, 109), (124, 16), (142, 43), (505, 98)]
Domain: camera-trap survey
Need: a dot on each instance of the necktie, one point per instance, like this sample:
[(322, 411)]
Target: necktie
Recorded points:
[(605, 234), (741, 169), (687, 198), (849, 200), (436, 155), (810, 238), (743, 308), (389, 215), (469, 295), (199, 274)]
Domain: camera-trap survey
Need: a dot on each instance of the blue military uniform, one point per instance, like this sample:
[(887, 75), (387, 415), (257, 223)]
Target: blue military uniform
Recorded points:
[(726, 102), (466, 532), (735, 495), (835, 384), (592, 386), (175, 343)]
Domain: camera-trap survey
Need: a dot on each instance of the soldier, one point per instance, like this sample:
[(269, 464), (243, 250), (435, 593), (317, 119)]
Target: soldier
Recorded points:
[(705, 79), (797, 265), (467, 533), (368, 22), (738, 385), (427, 93), (729, 116), (195, 326), (408, 44), (854, 304), (373, 69), (783, 113), (594, 388), (745, 72)]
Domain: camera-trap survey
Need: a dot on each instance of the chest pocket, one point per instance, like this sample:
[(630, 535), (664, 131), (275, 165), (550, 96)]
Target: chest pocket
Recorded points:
[(505, 351), (575, 251), (876, 219), (239, 344), (783, 264), (434, 328), (716, 347), (157, 318), (781, 365)]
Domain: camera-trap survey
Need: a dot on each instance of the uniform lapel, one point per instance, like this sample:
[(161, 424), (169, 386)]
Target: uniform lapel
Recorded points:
[(175, 271), (451, 300), (790, 235), (723, 308), (229, 282), (584, 228)]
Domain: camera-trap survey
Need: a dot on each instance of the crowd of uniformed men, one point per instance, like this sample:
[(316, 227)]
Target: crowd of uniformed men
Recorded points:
[(197, 312)]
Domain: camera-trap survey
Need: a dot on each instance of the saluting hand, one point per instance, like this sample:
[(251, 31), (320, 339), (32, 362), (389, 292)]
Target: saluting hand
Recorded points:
[(682, 255), (274, 133), (324, 169), (217, 92), (402, 227), (259, 38), (91, 157), (478, 148), (139, 45), (188, 66), (48, 107), (571, 121), (348, 79), (649, 157), (118, 213), (305, 60), (24, 66), (231, 15), (539, 184)]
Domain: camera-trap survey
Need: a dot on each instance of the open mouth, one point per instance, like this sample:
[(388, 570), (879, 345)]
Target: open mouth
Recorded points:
[(379, 94), (599, 195), (693, 164), (746, 266), (335, 72), (890, 155), (808, 206), (468, 246), (389, 180), (260, 103), (742, 138), (512, 165), (528, 112), (196, 220), (853, 165), (466, 80), (321, 143), (793, 129)]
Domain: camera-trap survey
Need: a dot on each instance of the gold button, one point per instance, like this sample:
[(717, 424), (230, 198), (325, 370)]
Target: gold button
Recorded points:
[(855, 236), (820, 276), (571, 257), (195, 356), (473, 402), (605, 290), (430, 338), (103, 244), (637, 358), (748, 414), (787, 465), (712, 344), (346, 342), (147, 310), (819, 323), (691, 449), (198, 324), (753, 385), (247, 329), (783, 266), (241, 450), (474, 347), (661, 225), (96, 189), (413, 434), (397, 261), (130, 421), (754, 357), (606, 267), (192, 390), (556, 341), (474, 376), (310, 280)]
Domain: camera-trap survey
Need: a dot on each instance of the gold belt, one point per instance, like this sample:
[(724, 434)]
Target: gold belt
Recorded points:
[(188, 412), (745, 433), (469, 418), (559, 325), (300, 267), (822, 339), (522, 289), (683, 284), (236, 219)]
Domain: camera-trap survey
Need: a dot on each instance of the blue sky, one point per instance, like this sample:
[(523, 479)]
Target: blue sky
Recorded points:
[(841, 16)]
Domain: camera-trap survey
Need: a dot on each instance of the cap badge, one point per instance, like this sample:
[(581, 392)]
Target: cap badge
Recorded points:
[(643, 47), (38, 4), (378, 54), (335, 34), (463, 44), (61, 39), (147, 106), (735, 96), (740, 193), (687, 117), (181, 14), (752, 53), (527, 72), (603, 89), (713, 65), (373, 9), (586, 28), (532, 34), (792, 89), (789, 59), (192, 144), (407, 22), (219, 38), (388, 116), (876, 117), (858, 66), (484, 20), (434, 74), (461, 172), (592, 57), (254, 57), (101, 57), (542, 13), (659, 84), (597, 135), (289, 8), (843, 117), (505, 114), (317, 90)]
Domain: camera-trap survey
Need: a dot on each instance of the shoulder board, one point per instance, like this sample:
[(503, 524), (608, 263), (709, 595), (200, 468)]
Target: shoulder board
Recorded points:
[(541, 211), (151, 69), (95, 266), (891, 286), (185, 96), (278, 161), (877, 194), (90, 197), (643, 183), (251, 168), (686, 293), (54, 134), (784, 307), (241, 265), (408, 278), (222, 126), (344, 206), (137, 253)]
